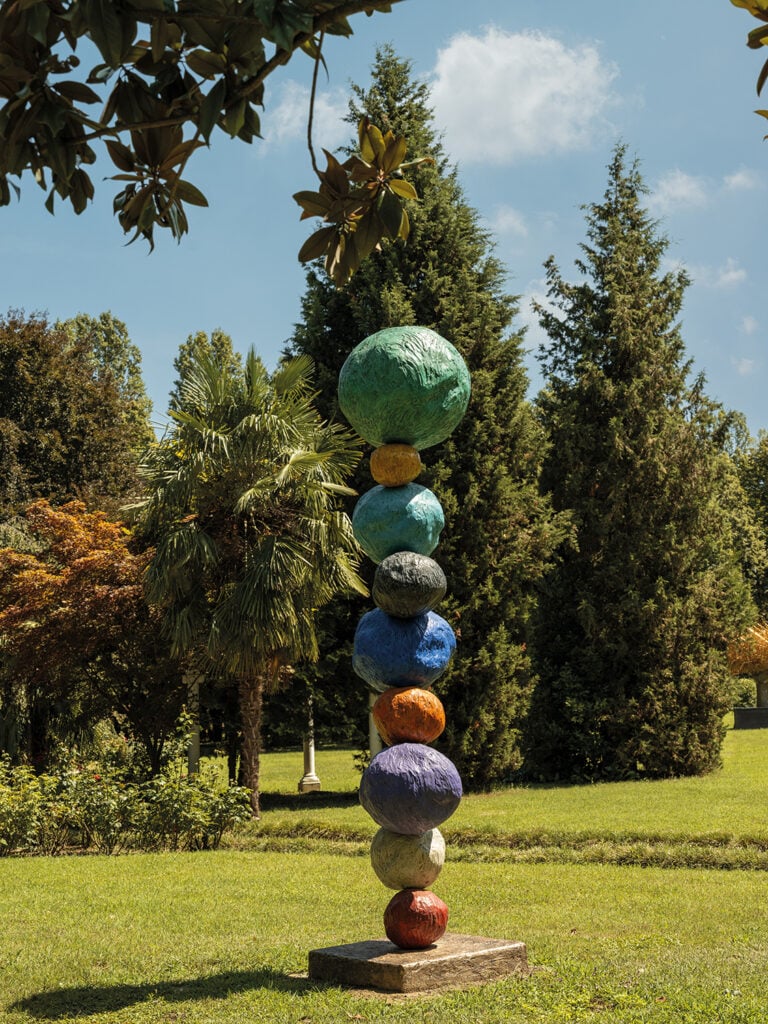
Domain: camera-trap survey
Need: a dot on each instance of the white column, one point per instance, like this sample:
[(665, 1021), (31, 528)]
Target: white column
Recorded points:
[(309, 782)]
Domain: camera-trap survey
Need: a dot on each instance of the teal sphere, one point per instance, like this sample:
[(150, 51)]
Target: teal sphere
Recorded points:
[(390, 519), (406, 385)]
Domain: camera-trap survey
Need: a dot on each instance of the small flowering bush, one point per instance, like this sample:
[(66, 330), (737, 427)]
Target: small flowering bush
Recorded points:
[(94, 807)]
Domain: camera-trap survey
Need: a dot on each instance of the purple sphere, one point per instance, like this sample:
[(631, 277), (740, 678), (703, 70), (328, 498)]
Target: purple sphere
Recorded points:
[(401, 652), (410, 788)]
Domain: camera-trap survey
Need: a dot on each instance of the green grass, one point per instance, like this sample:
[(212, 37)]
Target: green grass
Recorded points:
[(717, 820), (224, 936), (220, 937)]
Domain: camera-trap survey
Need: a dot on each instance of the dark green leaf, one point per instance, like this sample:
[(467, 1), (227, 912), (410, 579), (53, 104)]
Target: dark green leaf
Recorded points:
[(121, 155), (78, 92), (316, 244), (187, 192), (390, 210), (210, 108)]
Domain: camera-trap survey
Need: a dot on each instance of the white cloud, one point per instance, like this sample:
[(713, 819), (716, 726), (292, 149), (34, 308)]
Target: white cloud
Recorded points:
[(507, 221), (286, 121), (728, 275), (535, 335), (749, 325), (505, 96), (743, 180), (744, 367), (677, 190)]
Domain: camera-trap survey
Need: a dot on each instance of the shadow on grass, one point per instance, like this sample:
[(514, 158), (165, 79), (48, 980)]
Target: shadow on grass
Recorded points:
[(86, 1000), (307, 801)]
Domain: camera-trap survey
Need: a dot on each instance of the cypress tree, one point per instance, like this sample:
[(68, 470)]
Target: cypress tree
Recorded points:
[(632, 621), (499, 531)]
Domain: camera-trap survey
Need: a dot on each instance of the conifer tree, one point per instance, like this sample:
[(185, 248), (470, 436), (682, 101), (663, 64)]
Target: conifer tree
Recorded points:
[(499, 531), (633, 621)]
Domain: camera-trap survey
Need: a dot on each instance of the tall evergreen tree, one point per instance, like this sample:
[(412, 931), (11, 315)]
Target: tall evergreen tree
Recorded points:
[(499, 530), (632, 622), (752, 465)]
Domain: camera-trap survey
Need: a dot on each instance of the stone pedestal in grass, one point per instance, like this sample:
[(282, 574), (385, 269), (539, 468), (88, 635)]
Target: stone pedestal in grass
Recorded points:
[(405, 389)]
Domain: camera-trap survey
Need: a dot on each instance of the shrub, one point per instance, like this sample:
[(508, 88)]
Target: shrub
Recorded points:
[(93, 806)]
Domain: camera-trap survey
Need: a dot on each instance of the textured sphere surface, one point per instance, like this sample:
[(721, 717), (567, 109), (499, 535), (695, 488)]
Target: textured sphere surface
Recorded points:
[(390, 519), (415, 919), (404, 384), (393, 465), (410, 788), (410, 715), (407, 862), (407, 584), (401, 652)]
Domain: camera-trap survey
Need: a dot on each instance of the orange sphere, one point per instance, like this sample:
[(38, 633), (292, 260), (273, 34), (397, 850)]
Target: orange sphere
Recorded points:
[(394, 465), (408, 715)]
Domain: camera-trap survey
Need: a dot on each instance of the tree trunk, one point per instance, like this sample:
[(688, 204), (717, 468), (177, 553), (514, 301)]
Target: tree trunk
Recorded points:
[(251, 693)]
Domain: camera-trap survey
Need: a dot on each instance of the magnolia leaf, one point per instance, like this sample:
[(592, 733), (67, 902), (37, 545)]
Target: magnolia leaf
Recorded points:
[(367, 151), (758, 37), (394, 155), (78, 92), (376, 140), (211, 107), (316, 244), (189, 193), (762, 77), (313, 204), (121, 156), (402, 188), (390, 210)]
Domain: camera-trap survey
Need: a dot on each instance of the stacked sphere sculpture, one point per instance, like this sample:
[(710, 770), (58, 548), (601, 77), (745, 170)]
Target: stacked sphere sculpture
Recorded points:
[(404, 389)]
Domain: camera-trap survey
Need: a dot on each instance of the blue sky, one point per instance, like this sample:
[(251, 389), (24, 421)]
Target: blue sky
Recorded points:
[(530, 98)]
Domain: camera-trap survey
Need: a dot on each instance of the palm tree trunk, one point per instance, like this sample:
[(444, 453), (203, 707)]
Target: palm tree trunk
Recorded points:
[(251, 694)]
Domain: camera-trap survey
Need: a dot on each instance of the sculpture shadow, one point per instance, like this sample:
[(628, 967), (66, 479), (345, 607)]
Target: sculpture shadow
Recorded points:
[(86, 1000), (307, 801)]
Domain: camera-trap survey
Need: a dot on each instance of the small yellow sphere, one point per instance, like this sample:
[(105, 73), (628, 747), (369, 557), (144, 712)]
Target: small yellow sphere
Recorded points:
[(394, 465)]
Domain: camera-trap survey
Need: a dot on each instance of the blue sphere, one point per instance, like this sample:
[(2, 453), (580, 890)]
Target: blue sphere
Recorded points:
[(390, 519), (410, 788), (401, 652)]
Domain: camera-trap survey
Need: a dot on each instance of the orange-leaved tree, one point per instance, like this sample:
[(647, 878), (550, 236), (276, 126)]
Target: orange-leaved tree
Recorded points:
[(78, 641)]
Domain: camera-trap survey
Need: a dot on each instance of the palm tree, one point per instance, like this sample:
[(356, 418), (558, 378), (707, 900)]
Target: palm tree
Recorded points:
[(250, 541)]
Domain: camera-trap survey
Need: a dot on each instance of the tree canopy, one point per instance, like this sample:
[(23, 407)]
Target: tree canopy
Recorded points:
[(77, 638), (160, 78), (242, 504), (72, 424), (633, 620), (499, 531)]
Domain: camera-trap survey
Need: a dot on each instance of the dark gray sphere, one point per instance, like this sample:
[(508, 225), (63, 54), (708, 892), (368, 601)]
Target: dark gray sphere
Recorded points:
[(407, 584)]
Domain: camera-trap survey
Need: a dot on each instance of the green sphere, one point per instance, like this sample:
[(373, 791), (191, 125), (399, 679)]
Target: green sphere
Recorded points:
[(406, 385)]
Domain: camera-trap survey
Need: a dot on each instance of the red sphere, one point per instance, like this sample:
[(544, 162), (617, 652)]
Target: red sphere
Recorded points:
[(415, 918)]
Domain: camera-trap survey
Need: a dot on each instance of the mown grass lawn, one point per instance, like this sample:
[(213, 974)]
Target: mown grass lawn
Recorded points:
[(718, 820), (224, 936), (219, 937)]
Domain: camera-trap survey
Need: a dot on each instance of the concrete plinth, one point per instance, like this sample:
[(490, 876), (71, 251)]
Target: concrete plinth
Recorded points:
[(750, 718), (456, 961)]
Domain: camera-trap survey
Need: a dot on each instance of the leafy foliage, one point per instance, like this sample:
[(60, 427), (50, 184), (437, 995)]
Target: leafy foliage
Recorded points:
[(89, 806), (752, 467), (499, 531), (360, 202), (72, 425), (756, 38), (242, 504), (77, 632), (633, 621), (162, 67)]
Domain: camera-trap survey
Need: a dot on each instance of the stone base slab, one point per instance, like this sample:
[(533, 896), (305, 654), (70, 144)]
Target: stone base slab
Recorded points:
[(455, 961)]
